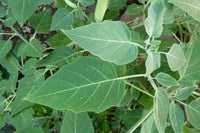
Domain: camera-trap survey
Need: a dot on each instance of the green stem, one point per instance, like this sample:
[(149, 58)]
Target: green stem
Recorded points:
[(137, 88)]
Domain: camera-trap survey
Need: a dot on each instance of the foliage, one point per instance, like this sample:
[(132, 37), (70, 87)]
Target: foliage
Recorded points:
[(85, 66)]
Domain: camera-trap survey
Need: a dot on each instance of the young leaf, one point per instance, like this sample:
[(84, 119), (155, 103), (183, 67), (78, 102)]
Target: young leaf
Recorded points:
[(193, 113), (62, 19), (100, 9), (76, 123), (161, 108), (175, 57), (25, 119), (184, 93), (189, 6), (31, 49), (5, 47), (111, 41), (94, 88), (166, 80), (154, 22), (41, 21), (176, 116), (57, 58), (116, 4), (23, 9), (153, 62), (190, 73), (149, 126)]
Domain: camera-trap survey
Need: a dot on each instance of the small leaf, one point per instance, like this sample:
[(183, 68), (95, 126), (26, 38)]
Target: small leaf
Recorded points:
[(149, 126), (176, 116), (175, 57), (166, 80), (193, 113), (189, 6), (100, 9), (57, 58), (116, 4), (23, 9), (134, 9), (154, 22), (111, 41), (5, 47), (62, 19), (184, 93), (153, 62), (76, 123), (41, 21), (161, 108), (94, 88)]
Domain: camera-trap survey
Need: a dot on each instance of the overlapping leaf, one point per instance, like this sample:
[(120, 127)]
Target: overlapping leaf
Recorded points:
[(88, 84)]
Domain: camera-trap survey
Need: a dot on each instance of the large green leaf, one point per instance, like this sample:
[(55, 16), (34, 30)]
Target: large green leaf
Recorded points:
[(95, 87), (176, 116), (108, 40), (153, 62), (192, 7), (62, 19), (154, 22), (23, 9), (193, 113), (166, 80), (190, 73), (76, 123), (175, 57), (161, 108)]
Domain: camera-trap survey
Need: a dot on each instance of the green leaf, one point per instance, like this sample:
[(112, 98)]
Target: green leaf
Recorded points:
[(116, 4), (76, 123), (26, 85), (153, 62), (154, 22), (149, 126), (184, 93), (134, 9), (188, 6), (177, 117), (193, 113), (58, 39), (166, 80), (161, 108), (111, 41), (5, 47), (94, 88), (169, 13), (86, 2), (23, 9), (100, 9), (175, 57), (25, 119), (62, 19), (31, 49), (56, 58), (190, 73), (41, 21)]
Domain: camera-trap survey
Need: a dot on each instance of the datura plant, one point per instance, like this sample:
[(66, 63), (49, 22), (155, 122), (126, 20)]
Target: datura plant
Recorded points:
[(99, 66)]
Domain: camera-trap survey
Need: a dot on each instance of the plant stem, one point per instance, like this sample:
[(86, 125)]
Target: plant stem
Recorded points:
[(137, 88), (134, 127)]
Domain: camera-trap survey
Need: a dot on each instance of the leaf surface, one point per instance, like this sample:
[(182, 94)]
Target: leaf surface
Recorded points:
[(111, 41), (192, 7), (95, 87), (76, 123)]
